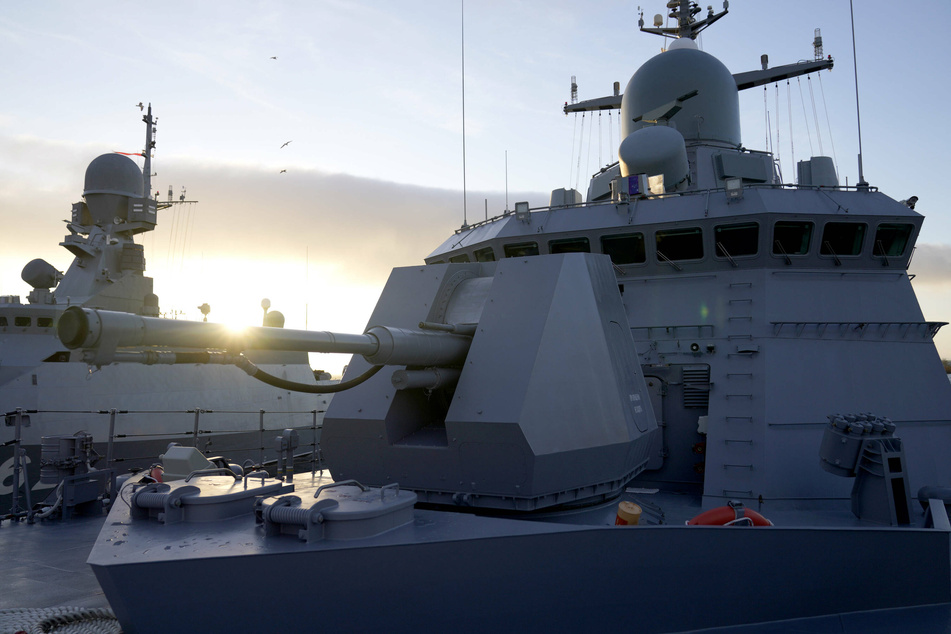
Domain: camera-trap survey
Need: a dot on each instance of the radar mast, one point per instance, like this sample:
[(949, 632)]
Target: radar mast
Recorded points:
[(683, 11)]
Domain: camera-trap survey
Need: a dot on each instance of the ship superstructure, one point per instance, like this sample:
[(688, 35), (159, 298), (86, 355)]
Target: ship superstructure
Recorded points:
[(697, 398), (131, 412), (757, 307)]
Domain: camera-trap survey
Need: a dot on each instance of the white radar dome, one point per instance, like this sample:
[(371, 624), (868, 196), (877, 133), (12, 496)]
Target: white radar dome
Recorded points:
[(653, 151), (712, 115), (113, 174), (682, 42)]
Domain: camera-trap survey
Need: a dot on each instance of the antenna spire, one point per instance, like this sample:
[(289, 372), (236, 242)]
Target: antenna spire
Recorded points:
[(147, 153), (465, 223), (858, 115)]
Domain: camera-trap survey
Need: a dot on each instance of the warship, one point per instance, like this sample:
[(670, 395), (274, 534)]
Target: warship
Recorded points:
[(125, 415), (697, 397)]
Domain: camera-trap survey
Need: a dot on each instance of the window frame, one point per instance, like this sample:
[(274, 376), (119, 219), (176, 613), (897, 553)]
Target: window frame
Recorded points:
[(620, 236), (836, 254), (745, 256), (810, 243), (908, 239), (513, 245), (577, 239), (698, 230)]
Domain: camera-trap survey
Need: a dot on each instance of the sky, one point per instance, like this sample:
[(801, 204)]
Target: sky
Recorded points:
[(369, 95)]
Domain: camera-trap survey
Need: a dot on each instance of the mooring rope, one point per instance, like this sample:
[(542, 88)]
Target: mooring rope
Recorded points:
[(62, 620)]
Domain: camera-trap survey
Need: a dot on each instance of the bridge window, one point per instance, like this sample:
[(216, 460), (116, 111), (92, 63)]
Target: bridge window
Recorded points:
[(679, 244), (484, 255), (462, 257), (3, 321), (22, 321), (44, 322), (842, 238), (624, 249), (736, 240), (791, 238), (569, 245), (521, 249), (891, 239)]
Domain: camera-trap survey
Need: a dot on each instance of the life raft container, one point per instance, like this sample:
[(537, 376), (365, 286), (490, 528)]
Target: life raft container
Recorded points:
[(733, 514)]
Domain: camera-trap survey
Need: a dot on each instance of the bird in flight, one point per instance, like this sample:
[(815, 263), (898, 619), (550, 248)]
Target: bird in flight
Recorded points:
[(275, 57), (285, 144), (141, 107), (283, 171)]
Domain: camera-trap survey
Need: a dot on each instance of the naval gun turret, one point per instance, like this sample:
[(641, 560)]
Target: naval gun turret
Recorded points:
[(507, 385)]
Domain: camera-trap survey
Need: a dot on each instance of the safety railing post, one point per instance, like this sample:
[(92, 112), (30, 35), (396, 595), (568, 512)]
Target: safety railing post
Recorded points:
[(112, 436), (15, 506), (261, 439), (313, 449), (195, 432)]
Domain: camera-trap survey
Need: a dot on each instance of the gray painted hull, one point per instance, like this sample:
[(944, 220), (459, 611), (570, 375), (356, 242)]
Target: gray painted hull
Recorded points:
[(461, 572)]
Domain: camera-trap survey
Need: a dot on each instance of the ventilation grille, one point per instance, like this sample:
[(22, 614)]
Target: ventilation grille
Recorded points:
[(696, 386)]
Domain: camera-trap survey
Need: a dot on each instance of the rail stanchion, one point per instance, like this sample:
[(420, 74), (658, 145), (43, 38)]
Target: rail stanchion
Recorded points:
[(313, 448), (261, 438), (112, 436)]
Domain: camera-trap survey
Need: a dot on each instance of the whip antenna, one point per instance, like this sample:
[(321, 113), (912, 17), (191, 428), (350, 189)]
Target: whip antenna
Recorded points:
[(465, 224), (858, 116)]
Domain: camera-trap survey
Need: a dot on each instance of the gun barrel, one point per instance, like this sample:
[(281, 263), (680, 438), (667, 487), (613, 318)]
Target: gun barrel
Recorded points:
[(381, 345)]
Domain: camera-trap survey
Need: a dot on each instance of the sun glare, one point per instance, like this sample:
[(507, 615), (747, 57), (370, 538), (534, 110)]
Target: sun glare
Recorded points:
[(237, 292)]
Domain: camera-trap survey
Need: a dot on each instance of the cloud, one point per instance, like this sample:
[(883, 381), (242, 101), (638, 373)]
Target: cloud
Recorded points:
[(362, 225), (931, 265)]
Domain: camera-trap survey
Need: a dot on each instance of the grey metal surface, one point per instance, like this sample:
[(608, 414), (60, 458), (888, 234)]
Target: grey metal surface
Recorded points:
[(742, 313), (471, 573), (44, 564)]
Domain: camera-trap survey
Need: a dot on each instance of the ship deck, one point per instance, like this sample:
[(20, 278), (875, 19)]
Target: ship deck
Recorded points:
[(45, 566)]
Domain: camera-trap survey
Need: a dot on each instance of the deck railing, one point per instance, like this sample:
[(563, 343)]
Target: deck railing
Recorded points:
[(198, 429)]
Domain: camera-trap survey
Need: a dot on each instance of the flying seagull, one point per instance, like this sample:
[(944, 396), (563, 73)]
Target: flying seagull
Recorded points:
[(141, 107), (275, 57), (285, 145), (282, 171)]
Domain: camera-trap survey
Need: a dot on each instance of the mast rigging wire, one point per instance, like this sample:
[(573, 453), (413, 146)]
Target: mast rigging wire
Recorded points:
[(571, 165), (778, 155), (610, 132), (815, 116), (580, 149), (805, 117), (792, 143), (600, 137), (825, 107), (587, 158)]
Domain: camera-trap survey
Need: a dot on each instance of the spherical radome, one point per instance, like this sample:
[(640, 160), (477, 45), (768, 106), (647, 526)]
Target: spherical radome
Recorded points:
[(113, 174), (712, 115)]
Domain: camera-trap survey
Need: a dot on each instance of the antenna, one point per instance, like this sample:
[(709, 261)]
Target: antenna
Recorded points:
[(858, 116), (462, 3), (507, 179), (817, 46), (149, 146), (574, 89)]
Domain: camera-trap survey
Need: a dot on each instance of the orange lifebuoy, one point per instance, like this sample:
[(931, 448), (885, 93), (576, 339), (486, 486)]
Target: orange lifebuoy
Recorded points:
[(734, 514), (156, 472)]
